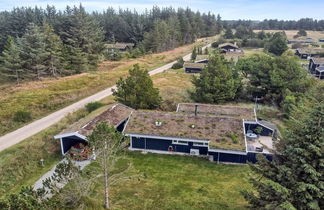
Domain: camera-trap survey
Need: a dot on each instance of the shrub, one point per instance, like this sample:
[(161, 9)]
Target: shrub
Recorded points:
[(93, 106), (178, 64), (22, 116), (233, 137)]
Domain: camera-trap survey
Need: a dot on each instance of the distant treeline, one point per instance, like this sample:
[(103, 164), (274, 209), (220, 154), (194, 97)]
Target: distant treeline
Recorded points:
[(274, 24), (37, 42)]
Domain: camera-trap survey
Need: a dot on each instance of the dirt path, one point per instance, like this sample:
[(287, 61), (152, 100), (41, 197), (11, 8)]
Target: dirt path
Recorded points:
[(31, 129)]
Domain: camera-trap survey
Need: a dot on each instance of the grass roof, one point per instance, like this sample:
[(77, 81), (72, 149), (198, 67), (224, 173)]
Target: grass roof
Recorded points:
[(113, 115), (194, 65), (310, 50), (201, 57), (237, 112), (318, 60), (221, 132)]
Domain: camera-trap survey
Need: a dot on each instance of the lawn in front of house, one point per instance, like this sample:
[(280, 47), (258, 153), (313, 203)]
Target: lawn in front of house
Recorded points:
[(175, 182)]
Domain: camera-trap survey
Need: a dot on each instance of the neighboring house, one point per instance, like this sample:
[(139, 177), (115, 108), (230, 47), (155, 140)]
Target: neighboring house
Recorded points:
[(221, 133), (314, 63), (116, 116), (229, 47), (319, 72), (121, 46), (307, 52), (193, 67), (321, 40), (308, 40), (202, 59)]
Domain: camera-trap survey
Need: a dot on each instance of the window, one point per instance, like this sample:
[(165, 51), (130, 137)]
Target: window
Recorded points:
[(180, 142), (200, 144)]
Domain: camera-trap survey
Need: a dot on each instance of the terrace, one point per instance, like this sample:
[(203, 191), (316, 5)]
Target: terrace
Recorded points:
[(221, 132), (218, 110), (264, 142)]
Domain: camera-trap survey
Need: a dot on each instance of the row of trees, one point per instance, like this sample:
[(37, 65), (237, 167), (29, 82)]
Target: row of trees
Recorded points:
[(41, 51), (274, 24)]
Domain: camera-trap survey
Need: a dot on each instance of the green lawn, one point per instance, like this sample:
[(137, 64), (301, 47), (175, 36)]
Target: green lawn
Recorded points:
[(175, 182)]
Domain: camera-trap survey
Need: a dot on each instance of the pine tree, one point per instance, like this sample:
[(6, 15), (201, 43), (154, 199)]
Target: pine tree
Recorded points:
[(229, 34), (82, 37), (54, 50), (194, 54), (33, 52), (217, 82), (294, 179), (277, 44), (137, 90), (10, 62)]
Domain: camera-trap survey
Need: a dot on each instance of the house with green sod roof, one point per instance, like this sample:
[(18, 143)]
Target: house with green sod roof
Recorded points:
[(221, 133)]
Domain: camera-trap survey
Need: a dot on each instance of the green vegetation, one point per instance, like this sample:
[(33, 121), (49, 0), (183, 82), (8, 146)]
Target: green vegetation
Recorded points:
[(21, 164), (277, 43), (293, 179), (217, 83), (175, 182), (22, 116), (93, 106), (38, 43), (178, 64), (43, 97), (274, 78), (137, 90)]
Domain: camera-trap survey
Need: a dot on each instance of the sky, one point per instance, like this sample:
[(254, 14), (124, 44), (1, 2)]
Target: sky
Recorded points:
[(228, 9)]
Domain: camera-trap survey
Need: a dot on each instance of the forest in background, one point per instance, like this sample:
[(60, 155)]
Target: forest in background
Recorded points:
[(274, 24), (37, 43)]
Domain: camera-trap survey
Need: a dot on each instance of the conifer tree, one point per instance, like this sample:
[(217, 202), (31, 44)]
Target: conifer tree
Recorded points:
[(294, 179), (194, 54), (54, 47), (217, 82), (10, 62), (137, 90), (33, 52)]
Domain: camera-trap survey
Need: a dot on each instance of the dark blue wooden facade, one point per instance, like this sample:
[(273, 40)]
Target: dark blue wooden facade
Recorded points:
[(164, 145), (252, 157), (228, 157), (218, 155), (193, 70), (68, 142)]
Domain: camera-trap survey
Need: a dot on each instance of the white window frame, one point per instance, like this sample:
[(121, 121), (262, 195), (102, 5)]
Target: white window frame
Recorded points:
[(200, 144), (180, 143)]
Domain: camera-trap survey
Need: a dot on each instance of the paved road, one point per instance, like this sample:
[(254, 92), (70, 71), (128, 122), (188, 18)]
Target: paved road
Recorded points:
[(31, 129)]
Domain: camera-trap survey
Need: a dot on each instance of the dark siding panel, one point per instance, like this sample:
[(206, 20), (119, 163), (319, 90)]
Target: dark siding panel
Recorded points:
[(163, 145), (121, 126), (138, 143), (158, 144), (251, 157), (229, 158)]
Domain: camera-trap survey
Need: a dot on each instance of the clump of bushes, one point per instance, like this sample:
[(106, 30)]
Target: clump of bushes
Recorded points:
[(178, 64), (93, 106), (22, 116), (233, 137)]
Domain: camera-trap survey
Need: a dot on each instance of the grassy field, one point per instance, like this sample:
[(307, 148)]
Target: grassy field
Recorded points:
[(291, 33), (173, 86), (175, 182), (49, 95)]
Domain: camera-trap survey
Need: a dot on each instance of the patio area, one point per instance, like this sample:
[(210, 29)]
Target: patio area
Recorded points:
[(264, 142)]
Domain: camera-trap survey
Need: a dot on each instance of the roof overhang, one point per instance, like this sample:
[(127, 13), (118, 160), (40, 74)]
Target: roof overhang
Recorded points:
[(60, 136)]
